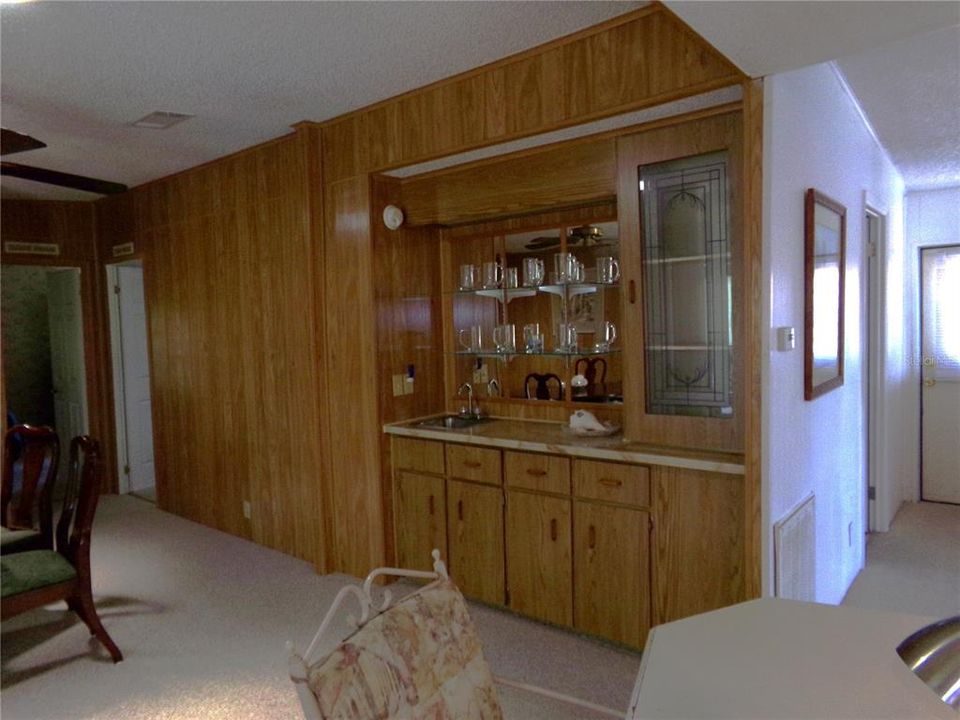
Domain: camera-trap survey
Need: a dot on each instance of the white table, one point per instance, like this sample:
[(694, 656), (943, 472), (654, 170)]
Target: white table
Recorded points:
[(773, 658)]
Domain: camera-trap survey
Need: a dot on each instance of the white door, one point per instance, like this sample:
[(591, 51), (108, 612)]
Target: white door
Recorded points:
[(940, 399), (66, 358), (138, 425)]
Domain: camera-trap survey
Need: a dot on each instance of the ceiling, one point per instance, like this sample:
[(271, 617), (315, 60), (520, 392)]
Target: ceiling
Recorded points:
[(76, 74)]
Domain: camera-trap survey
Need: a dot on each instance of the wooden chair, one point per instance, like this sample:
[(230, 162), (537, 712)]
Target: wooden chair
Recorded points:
[(39, 577), (30, 456), (417, 658), (543, 389)]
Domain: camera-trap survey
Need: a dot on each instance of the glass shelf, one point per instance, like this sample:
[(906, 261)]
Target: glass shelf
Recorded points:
[(546, 353), (560, 289)]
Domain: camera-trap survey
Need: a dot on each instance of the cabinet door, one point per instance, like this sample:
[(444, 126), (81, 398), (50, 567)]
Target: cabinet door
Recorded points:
[(611, 566), (475, 524), (539, 563), (420, 519)]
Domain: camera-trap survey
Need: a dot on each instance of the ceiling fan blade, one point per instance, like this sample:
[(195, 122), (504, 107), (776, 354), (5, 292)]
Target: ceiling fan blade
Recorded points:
[(542, 243), (54, 177), (13, 142)]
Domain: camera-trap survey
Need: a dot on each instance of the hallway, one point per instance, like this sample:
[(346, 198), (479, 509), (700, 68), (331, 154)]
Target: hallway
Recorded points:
[(914, 568)]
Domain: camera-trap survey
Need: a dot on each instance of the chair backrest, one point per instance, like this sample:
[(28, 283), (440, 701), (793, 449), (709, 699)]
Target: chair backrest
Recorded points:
[(80, 499), (30, 456), (542, 386)]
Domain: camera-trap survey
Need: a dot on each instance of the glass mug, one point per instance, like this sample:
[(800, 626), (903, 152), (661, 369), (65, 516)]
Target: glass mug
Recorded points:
[(566, 337), (492, 274), (471, 338), (567, 268), (608, 270), (606, 335), (505, 338), (510, 278), (468, 277), (533, 271), (532, 339)]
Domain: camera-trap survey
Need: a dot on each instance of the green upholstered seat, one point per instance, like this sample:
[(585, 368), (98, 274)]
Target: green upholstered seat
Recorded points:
[(12, 541), (22, 572)]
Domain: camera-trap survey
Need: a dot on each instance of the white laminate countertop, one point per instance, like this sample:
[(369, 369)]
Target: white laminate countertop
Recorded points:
[(555, 438), (773, 658)]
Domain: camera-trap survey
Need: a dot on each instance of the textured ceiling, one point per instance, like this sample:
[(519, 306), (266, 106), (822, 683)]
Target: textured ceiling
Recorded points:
[(76, 74), (910, 90)]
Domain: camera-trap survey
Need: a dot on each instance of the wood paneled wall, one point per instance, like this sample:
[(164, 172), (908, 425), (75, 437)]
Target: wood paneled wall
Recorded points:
[(638, 60), (72, 226), (231, 293)]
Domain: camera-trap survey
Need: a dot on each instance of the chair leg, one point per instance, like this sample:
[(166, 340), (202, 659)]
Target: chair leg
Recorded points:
[(84, 598), (73, 602)]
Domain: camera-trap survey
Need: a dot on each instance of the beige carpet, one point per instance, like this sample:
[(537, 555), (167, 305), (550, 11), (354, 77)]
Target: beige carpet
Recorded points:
[(202, 618), (914, 568)]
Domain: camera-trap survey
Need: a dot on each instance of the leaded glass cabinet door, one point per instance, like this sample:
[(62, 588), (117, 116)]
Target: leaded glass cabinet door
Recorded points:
[(680, 217), (687, 286)]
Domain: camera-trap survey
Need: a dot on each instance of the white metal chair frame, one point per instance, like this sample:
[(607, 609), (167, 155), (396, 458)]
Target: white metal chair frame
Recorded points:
[(370, 608)]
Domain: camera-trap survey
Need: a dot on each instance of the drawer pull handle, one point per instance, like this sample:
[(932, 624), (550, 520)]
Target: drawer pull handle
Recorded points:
[(592, 538), (536, 472), (460, 510), (610, 482), (472, 464), (431, 505), (553, 529)]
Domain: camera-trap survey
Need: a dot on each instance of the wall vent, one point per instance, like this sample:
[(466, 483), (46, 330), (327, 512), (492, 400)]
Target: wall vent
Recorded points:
[(161, 120), (794, 553)]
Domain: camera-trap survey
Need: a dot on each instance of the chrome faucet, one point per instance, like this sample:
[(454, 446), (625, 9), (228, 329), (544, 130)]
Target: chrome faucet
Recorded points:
[(493, 388), (470, 409)]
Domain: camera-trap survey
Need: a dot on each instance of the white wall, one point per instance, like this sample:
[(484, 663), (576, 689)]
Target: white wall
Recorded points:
[(814, 136), (932, 218)]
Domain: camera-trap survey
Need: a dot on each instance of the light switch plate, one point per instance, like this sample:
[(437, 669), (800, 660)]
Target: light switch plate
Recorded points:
[(786, 339)]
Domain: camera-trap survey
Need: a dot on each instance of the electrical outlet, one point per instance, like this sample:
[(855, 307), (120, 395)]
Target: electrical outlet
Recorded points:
[(247, 510), (398, 383), (408, 386)]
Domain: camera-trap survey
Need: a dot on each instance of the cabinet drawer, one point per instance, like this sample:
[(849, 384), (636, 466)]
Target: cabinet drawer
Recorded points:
[(626, 484), (466, 462), (420, 455), (532, 471)]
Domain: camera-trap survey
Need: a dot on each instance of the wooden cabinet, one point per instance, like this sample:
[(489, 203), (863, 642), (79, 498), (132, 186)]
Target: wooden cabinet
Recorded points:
[(698, 558), (420, 518), (539, 563), (612, 571), (608, 548), (475, 539)]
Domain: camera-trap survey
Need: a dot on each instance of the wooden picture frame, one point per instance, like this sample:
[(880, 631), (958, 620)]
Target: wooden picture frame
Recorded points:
[(825, 245)]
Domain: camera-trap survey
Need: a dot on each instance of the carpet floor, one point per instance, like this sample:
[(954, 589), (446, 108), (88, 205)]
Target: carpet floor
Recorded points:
[(202, 618)]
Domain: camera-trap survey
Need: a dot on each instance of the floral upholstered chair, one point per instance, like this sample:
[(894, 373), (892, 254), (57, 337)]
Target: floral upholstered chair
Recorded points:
[(417, 659)]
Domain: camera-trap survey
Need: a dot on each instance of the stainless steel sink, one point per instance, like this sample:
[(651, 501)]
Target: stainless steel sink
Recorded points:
[(452, 422)]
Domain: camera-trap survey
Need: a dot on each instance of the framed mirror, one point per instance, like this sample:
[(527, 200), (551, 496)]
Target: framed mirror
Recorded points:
[(825, 228)]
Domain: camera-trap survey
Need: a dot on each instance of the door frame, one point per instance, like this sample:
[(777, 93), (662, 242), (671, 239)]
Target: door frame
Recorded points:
[(116, 364), (873, 342)]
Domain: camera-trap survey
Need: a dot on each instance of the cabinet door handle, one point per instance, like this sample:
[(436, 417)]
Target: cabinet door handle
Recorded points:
[(472, 464), (460, 510), (609, 482), (553, 529), (536, 472), (632, 292), (592, 538), (431, 505)]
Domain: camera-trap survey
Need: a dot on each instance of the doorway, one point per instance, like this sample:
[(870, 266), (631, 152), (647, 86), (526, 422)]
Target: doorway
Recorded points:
[(43, 350), (131, 380), (872, 327), (940, 375)]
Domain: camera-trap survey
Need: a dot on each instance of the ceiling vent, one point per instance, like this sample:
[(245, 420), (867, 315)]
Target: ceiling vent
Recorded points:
[(161, 120)]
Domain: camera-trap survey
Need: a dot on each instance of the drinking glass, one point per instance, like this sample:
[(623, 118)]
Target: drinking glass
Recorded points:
[(471, 338), (468, 277), (510, 277), (532, 339), (606, 335), (533, 271), (562, 267), (492, 274), (608, 269), (566, 337), (505, 338)]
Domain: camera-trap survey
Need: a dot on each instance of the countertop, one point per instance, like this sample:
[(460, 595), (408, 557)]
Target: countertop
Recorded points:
[(774, 658), (556, 439)]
